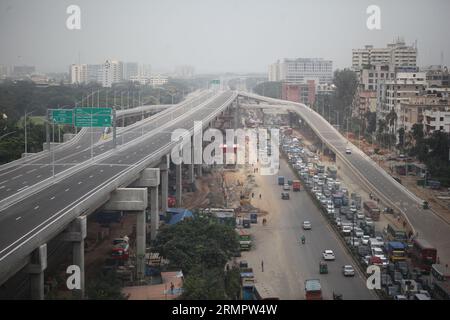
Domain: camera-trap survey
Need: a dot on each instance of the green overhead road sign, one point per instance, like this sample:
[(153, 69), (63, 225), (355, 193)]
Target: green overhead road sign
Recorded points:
[(62, 116), (93, 117), (215, 81)]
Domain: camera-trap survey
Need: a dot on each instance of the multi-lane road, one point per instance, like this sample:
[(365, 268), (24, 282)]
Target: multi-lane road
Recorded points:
[(428, 225), (31, 218), (287, 262)]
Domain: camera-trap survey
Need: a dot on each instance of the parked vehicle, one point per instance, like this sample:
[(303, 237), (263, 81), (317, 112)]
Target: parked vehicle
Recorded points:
[(245, 241)]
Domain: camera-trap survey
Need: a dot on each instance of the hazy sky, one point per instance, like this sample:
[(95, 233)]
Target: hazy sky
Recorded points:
[(214, 35)]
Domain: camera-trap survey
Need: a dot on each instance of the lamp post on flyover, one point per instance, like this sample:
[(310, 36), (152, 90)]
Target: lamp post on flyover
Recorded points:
[(25, 128)]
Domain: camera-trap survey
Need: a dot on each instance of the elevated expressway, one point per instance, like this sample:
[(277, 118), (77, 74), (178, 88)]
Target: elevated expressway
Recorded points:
[(426, 223), (31, 221)]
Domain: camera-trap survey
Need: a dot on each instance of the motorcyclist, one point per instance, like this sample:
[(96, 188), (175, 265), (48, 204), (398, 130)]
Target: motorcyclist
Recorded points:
[(303, 239)]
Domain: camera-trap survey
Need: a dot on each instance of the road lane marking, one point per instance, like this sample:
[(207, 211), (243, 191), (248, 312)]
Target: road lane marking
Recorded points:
[(67, 189), (30, 171), (38, 176), (37, 207), (4, 181), (90, 176), (2, 187), (52, 198), (17, 176), (80, 182), (18, 218), (22, 188)]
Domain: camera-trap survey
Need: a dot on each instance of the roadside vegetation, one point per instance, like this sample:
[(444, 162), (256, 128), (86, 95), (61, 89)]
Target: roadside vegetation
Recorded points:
[(201, 248), (18, 98)]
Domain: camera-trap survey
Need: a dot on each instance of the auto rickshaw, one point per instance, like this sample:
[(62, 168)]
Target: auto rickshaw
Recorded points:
[(337, 296), (323, 267)]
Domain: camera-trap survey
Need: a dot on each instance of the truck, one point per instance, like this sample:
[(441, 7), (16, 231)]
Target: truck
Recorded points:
[(396, 251), (371, 210), (393, 234), (313, 289), (245, 240), (296, 185), (281, 180), (337, 199), (332, 172)]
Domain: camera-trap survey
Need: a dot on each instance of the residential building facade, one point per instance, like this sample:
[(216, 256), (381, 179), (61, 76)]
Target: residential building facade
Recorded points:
[(300, 70), (78, 73), (112, 72), (396, 53)]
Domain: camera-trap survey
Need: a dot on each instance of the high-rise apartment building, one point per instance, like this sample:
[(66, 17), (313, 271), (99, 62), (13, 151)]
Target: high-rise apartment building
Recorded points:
[(396, 53), (78, 73), (184, 72), (112, 72), (130, 70), (299, 71)]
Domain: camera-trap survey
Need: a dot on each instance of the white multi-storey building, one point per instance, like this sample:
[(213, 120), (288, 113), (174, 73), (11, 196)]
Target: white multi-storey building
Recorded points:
[(393, 92), (299, 71), (184, 72), (130, 70), (78, 73), (396, 53), (112, 72), (434, 120), (158, 79)]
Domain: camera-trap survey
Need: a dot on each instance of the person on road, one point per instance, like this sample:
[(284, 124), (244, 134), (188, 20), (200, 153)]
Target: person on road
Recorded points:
[(260, 196), (262, 265), (303, 239)]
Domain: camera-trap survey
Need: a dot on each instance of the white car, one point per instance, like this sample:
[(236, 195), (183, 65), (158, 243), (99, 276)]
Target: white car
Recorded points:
[(328, 255), (306, 225), (360, 215), (286, 187), (369, 221), (365, 240), (348, 271), (348, 151)]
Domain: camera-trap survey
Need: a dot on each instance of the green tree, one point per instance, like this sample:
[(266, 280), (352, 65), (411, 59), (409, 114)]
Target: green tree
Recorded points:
[(346, 83), (270, 89)]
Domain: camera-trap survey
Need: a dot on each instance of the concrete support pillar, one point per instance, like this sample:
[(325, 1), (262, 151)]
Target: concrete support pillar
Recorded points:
[(190, 166), (141, 241), (164, 170), (38, 263), (154, 212), (76, 233), (178, 184), (199, 170), (136, 200), (150, 179)]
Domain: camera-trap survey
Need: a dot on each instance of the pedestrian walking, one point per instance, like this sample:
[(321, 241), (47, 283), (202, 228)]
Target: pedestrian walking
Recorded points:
[(260, 196), (172, 287), (262, 266), (253, 194)]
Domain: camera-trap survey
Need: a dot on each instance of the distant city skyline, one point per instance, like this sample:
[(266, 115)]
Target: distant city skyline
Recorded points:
[(214, 36)]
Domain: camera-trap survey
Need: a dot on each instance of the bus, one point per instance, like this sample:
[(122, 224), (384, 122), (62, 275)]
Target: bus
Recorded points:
[(245, 240), (264, 292), (372, 210), (423, 255)]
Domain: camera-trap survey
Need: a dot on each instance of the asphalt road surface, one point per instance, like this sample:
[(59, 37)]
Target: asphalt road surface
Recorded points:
[(29, 217), (287, 262)]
